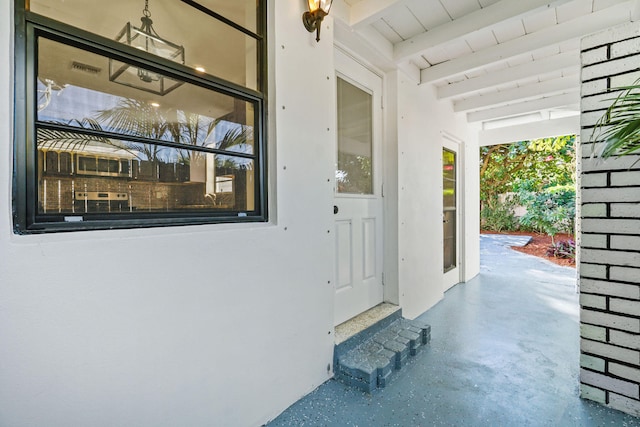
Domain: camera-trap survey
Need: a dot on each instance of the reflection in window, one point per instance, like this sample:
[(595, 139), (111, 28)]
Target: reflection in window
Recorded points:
[(112, 176), (233, 54), (449, 222), (224, 184), (134, 135), (179, 175), (192, 116)]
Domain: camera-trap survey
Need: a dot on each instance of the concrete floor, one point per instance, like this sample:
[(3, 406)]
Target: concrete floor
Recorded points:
[(504, 352)]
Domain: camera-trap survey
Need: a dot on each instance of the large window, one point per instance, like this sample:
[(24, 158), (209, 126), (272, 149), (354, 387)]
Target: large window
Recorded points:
[(133, 113)]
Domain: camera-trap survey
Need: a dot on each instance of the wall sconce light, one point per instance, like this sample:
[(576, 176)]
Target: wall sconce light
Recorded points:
[(312, 19)]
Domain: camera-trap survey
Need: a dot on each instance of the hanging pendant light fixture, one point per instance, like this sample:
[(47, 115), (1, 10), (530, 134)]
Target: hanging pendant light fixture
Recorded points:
[(146, 39), (312, 19)]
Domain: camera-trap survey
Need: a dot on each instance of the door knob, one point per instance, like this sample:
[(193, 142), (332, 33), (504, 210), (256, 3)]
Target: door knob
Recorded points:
[(335, 209)]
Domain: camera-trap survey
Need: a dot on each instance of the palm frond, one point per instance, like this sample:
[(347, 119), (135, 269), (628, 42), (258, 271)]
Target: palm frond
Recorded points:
[(67, 140), (134, 117), (233, 137), (619, 127)]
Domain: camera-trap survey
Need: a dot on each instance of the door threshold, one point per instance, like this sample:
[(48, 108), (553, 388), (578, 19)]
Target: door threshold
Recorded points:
[(364, 320)]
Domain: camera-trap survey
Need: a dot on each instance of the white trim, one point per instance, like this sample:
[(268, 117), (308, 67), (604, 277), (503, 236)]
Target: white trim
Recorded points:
[(361, 61), (451, 137), (528, 131), (455, 144)]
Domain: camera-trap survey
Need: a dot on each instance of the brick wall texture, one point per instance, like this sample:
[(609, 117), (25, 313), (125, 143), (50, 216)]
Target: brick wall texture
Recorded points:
[(609, 263)]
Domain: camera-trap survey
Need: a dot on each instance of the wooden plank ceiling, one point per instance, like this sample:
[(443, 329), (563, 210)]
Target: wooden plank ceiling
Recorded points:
[(498, 61)]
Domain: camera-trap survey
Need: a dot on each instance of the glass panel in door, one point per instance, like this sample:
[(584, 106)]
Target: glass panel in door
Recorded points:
[(355, 138), (449, 208)]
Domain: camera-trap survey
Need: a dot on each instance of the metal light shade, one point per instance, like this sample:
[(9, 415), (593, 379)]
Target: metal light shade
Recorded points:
[(145, 38), (312, 19)]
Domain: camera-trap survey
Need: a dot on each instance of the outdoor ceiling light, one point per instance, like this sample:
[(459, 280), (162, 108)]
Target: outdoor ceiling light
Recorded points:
[(312, 19), (147, 39)]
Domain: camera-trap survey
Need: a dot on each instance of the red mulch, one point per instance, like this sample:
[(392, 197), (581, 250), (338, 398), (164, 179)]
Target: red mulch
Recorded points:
[(539, 245)]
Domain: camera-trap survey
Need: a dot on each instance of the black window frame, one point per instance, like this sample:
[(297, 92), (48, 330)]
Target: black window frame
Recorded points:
[(28, 27)]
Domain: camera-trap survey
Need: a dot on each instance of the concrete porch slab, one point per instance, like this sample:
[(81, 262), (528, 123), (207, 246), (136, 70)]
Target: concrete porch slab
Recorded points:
[(504, 351)]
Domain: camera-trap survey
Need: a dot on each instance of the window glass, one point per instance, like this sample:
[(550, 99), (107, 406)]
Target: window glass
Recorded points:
[(242, 12), (449, 178), (84, 96), (354, 172), (113, 175), (119, 176), (209, 45), (449, 209), (113, 137)]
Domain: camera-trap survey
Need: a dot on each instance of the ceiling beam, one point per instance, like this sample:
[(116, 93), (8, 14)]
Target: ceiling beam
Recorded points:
[(563, 61), (367, 12), (491, 15), (534, 90), (554, 101), (569, 30), (529, 131)]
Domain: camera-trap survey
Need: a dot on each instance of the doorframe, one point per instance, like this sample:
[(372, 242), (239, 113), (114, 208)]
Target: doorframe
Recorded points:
[(390, 285), (451, 142)]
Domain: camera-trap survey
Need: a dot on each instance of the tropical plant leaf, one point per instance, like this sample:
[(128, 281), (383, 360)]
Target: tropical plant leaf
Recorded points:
[(233, 137), (65, 140), (69, 140), (619, 127)]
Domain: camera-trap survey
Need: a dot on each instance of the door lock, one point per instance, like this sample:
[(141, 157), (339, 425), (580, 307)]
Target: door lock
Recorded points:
[(335, 209)]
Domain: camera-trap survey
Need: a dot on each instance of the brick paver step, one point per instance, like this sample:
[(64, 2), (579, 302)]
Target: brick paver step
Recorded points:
[(371, 364)]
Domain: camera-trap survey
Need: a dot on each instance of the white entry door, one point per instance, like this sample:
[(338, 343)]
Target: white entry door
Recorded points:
[(450, 214), (358, 198)]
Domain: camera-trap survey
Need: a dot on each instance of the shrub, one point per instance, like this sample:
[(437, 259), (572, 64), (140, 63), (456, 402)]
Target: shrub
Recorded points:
[(551, 211), (563, 249), (499, 216)]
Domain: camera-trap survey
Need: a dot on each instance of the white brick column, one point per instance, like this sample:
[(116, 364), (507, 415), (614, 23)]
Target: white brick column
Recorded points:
[(609, 265)]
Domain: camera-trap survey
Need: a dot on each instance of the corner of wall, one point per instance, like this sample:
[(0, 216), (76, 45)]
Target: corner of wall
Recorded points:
[(609, 265)]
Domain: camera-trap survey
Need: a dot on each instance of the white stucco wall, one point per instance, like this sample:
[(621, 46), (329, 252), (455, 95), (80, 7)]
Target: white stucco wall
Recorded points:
[(471, 201), (391, 259), (220, 324), (200, 325), (422, 120)]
